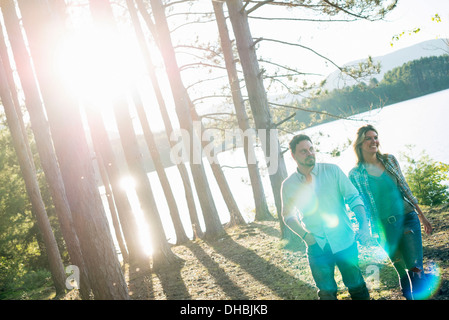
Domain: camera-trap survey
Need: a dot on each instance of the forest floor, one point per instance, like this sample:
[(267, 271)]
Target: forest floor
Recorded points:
[(251, 263)]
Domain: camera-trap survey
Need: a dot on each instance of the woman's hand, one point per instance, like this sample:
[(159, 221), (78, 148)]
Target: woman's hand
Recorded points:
[(422, 218), (426, 224)]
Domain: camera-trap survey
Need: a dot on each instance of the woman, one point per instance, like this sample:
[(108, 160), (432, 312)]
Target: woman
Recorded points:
[(393, 210)]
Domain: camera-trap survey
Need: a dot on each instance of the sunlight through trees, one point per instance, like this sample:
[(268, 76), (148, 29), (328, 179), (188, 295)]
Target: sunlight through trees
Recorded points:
[(97, 85)]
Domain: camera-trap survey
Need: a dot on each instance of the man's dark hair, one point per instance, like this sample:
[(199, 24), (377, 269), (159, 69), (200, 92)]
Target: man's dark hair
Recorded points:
[(297, 139)]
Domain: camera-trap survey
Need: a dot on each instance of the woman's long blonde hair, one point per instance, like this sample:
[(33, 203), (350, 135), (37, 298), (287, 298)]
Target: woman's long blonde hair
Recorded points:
[(357, 145)]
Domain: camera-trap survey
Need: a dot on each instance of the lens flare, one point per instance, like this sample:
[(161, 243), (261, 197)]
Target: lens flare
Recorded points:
[(432, 282), (307, 201), (330, 220)]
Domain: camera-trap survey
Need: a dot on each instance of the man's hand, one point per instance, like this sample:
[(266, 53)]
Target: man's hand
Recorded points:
[(363, 235), (309, 239)]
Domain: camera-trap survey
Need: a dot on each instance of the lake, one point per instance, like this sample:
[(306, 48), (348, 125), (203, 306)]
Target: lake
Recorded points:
[(421, 122)]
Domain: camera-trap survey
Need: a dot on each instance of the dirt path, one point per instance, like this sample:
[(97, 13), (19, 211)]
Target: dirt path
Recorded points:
[(250, 262)]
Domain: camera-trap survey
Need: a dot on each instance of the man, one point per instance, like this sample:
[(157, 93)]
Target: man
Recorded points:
[(314, 200)]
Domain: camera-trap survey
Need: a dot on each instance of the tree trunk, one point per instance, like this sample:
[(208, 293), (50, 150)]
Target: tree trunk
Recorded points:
[(236, 217), (262, 211), (182, 105), (106, 157), (162, 255), (258, 99), (181, 236), (112, 209), (32, 186), (44, 143), (197, 231), (44, 28)]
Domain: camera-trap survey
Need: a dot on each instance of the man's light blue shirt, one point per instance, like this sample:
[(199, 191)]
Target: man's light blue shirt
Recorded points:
[(321, 205)]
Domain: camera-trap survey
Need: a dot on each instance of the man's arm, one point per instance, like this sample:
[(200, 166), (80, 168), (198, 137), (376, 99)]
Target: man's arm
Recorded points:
[(294, 225), (363, 235), (290, 218), (355, 202)]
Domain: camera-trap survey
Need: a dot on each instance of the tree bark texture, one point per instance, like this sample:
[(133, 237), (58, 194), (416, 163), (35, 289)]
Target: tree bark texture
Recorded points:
[(44, 144), (258, 98), (182, 105), (44, 28), (32, 186), (260, 201), (188, 190)]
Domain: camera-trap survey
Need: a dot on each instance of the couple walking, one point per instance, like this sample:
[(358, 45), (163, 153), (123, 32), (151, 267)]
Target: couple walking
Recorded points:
[(314, 200)]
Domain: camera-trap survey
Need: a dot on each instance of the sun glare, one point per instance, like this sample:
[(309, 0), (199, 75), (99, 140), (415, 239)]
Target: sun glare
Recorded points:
[(98, 65), (129, 185)]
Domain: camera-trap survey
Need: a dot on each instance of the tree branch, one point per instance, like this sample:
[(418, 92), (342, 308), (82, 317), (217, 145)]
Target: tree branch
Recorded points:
[(289, 69), (190, 22), (258, 5), (175, 3), (196, 48), (304, 47), (301, 19), (333, 5), (208, 97), (218, 114), (275, 125), (289, 4), (204, 80), (310, 111), (201, 64)]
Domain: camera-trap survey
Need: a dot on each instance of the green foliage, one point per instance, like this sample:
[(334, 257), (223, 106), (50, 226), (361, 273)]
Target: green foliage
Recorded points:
[(397, 37), (19, 284), (436, 18), (427, 179), (22, 253)]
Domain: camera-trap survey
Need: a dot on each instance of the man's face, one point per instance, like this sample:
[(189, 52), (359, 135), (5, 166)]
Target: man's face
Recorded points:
[(304, 154)]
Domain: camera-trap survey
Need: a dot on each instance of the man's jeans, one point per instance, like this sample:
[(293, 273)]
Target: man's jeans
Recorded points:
[(402, 241), (322, 264)]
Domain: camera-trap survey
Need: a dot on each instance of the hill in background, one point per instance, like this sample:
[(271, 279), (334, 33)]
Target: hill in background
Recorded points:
[(429, 48)]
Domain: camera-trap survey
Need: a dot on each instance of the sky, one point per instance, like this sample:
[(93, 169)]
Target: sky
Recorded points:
[(341, 42), (344, 42)]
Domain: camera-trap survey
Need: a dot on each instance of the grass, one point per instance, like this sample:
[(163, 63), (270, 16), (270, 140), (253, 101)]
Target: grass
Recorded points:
[(251, 263), (34, 285)]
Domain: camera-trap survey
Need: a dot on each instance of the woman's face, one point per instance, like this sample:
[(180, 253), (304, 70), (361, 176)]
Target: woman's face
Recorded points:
[(371, 142)]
